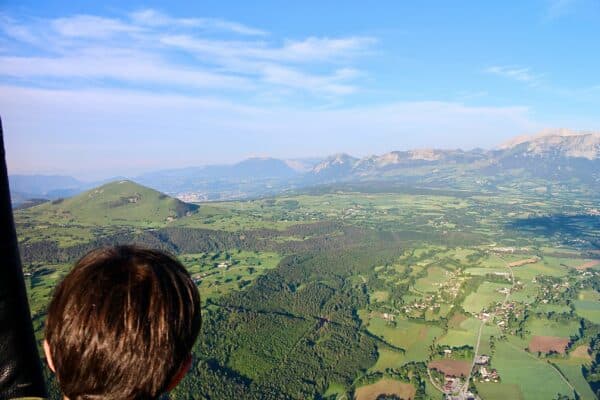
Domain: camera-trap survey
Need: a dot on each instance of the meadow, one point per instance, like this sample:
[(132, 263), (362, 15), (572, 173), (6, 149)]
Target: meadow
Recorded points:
[(333, 293)]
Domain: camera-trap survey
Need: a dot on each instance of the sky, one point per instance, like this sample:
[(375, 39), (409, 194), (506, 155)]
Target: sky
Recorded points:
[(96, 89)]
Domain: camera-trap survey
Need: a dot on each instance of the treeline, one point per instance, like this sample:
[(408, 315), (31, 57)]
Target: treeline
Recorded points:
[(317, 237), (179, 240), (591, 372)]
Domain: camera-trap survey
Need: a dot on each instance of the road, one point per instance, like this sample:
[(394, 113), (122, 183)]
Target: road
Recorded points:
[(465, 387), (435, 385)]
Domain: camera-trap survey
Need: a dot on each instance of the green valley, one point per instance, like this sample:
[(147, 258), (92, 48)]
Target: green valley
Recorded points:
[(339, 292)]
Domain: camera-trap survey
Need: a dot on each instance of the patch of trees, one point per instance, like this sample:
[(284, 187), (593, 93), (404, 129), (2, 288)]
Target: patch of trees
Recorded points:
[(49, 252), (592, 372), (296, 325)]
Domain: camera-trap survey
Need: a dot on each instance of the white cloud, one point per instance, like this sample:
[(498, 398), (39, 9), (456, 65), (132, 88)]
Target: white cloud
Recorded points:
[(142, 48), (308, 50), (314, 48), (124, 129), (150, 17), (522, 74), (330, 84), (18, 31), (123, 66), (90, 26)]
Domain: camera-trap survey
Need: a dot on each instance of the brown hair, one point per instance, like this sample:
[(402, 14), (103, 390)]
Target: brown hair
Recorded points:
[(122, 323)]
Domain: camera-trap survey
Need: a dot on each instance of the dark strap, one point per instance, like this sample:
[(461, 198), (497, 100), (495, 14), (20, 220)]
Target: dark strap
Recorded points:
[(20, 368)]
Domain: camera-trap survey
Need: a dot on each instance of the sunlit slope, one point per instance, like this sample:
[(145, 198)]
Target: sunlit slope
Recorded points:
[(121, 202)]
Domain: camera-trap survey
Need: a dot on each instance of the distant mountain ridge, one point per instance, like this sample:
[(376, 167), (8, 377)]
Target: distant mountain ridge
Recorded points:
[(48, 186), (552, 154), (559, 155)]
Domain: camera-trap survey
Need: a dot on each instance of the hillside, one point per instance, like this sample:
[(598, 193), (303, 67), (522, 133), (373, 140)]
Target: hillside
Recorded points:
[(121, 202)]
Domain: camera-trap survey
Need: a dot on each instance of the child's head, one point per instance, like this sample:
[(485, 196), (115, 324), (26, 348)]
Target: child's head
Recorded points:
[(122, 324)]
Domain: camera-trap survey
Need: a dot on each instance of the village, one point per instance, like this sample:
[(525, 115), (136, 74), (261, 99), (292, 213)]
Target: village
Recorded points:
[(454, 381), (447, 291)]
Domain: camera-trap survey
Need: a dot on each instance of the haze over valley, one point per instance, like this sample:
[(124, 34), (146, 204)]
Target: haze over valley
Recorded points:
[(561, 156)]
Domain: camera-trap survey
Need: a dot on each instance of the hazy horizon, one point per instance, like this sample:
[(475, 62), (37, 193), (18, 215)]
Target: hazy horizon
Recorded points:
[(105, 174), (95, 91)]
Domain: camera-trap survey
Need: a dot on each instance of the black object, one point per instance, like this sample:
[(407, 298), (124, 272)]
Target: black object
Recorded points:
[(20, 368)]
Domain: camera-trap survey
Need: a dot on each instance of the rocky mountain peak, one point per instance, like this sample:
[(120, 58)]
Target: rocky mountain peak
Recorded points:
[(564, 142)]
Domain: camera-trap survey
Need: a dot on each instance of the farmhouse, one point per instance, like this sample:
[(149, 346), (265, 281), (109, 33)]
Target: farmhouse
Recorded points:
[(487, 375), (482, 359)]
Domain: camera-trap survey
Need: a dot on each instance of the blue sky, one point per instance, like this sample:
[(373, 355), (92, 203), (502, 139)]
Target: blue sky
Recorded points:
[(95, 89)]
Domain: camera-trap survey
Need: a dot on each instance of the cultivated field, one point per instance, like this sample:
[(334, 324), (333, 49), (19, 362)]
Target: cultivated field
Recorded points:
[(454, 368), (548, 344), (404, 391)]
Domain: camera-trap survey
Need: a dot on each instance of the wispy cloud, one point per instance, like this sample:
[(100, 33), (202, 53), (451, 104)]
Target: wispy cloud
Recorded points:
[(144, 49), (521, 74), (559, 8), (122, 66), (208, 126), (154, 18), (309, 50), (90, 26), (16, 31)]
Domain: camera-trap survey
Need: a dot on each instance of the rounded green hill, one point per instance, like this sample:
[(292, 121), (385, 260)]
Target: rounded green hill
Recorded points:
[(118, 202)]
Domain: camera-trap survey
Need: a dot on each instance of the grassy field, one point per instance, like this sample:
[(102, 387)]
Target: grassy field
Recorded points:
[(544, 327), (431, 283), (535, 378), (499, 391), (572, 370), (41, 282), (530, 271), (464, 334), (217, 274), (588, 305), (413, 337), (589, 309), (486, 295), (388, 358), (482, 271), (380, 295)]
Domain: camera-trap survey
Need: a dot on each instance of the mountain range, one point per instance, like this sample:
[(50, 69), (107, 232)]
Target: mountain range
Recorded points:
[(559, 156)]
